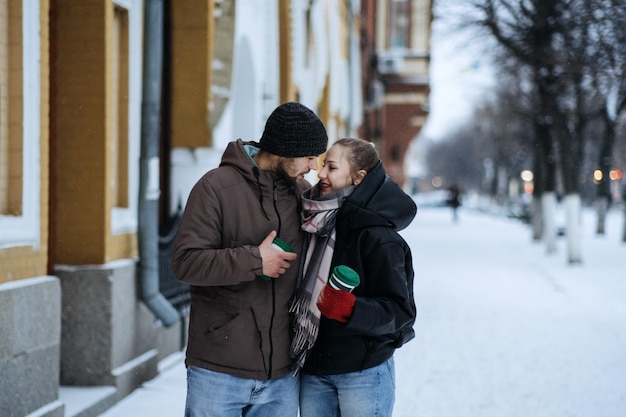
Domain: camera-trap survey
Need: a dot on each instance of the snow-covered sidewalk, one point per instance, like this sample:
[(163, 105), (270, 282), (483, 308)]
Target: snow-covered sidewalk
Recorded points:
[(503, 330)]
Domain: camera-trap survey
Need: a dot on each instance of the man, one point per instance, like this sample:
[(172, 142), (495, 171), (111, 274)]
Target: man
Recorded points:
[(239, 327)]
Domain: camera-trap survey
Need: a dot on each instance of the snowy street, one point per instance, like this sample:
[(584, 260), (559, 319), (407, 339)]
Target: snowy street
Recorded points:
[(503, 330)]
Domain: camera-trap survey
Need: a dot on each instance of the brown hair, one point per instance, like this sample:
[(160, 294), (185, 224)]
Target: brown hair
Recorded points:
[(361, 153)]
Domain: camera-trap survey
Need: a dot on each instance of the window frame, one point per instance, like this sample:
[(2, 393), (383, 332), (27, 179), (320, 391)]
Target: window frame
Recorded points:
[(24, 229), (125, 219)]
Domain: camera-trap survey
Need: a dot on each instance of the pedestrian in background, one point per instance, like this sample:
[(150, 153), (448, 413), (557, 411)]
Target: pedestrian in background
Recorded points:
[(344, 341), (237, 357), (453, 201)]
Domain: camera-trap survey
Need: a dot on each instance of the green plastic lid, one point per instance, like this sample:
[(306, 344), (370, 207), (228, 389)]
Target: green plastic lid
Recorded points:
[(282, 244), (347, 275)]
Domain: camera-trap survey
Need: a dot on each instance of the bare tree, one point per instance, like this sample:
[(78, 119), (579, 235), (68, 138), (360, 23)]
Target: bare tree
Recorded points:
[(458, 159), (527, 32), (559, 43), (609, 80)]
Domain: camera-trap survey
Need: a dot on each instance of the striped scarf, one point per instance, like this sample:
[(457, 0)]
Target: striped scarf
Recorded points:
[(318, 216)]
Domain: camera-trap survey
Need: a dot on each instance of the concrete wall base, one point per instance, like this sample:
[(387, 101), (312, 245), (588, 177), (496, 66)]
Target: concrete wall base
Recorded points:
[(84, 330), (108, 336), (30, 327)]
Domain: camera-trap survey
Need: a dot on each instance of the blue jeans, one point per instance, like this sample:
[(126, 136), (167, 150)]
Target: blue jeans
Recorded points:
[(214, 394), (367, 393)]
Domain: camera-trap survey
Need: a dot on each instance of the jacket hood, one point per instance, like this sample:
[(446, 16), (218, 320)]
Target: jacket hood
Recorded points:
[(239, 154), (378, 201)]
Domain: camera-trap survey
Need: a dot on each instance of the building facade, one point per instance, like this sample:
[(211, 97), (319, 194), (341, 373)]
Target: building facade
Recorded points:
[(110, 110), (396, 77)]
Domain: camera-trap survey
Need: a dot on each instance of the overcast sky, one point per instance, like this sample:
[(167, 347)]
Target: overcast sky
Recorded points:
[(460, 74)]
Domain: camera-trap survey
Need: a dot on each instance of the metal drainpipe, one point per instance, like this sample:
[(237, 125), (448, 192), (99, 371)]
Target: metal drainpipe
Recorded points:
[(148, 233)]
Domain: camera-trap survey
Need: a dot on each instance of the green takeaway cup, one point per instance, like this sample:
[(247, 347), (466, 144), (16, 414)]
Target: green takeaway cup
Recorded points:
[(344, 278), (281, 245)]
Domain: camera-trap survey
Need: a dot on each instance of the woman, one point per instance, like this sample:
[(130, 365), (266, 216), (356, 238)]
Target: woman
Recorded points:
[(344, 342)]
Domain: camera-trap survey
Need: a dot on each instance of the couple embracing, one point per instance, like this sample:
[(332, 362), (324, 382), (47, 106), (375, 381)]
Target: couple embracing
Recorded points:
[(267, 335)]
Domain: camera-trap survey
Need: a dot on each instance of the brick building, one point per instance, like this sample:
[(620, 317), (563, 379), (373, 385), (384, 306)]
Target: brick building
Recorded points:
[(396, 65)]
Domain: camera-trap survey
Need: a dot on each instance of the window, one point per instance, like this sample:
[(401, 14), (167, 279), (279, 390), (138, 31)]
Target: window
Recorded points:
[(126, 50), (20, 119), (399, 28), (120, 102), (11, 109)]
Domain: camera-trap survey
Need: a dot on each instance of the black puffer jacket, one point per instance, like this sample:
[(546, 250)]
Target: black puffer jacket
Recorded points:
[(367, 240)]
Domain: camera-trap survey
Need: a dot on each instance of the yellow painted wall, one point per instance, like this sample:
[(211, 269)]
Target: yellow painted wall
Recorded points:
[(82, 133), (192, 46), (288, 90)]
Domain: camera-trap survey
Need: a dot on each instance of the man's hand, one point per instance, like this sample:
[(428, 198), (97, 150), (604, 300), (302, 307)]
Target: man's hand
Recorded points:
[(275, 262)]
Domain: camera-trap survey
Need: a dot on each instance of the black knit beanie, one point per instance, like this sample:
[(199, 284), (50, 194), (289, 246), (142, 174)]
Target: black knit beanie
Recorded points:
[(293, 131)]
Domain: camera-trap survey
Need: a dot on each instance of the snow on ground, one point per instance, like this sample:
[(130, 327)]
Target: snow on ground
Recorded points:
[(503, 330)]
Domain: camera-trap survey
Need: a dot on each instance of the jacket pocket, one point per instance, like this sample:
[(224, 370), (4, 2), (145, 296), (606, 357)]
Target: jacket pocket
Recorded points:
[(230, 338)]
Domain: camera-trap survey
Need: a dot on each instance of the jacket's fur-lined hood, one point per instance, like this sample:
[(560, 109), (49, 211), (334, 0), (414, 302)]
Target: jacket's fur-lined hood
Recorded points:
[(378, 201)]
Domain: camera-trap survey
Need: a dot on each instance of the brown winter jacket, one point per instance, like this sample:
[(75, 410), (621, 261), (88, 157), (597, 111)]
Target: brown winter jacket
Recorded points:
[(239, 323)]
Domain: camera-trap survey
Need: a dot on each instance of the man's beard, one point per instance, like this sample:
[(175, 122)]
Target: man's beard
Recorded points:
[(280, 169)]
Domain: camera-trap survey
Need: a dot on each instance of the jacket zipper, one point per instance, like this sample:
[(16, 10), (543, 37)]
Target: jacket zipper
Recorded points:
[(269, 373), (275, 198), (270, 363)]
